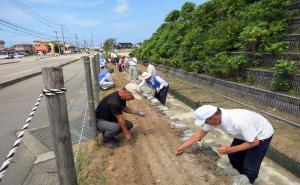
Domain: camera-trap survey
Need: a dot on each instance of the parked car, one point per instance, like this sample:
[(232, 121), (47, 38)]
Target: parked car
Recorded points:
[(6, 54), (19, 54)]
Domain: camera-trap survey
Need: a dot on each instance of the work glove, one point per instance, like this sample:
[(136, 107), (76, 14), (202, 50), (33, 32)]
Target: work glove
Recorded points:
[(139, 113)]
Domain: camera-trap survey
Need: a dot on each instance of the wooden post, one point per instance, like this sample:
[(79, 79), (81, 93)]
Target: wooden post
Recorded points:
[(59, 126), (100, 136), (94, 64), (98, 69), (89, 88)]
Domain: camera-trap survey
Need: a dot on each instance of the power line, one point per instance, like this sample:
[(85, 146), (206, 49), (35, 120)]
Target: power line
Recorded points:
[(24, 32), (23, 29), (34, 15), (37, 17), (9, 31)]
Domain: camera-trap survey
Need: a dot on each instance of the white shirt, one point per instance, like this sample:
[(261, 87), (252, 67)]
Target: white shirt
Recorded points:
[(132, 61), (161, 81), (113, 55), (151, 69), (244, 125), (102, 62)]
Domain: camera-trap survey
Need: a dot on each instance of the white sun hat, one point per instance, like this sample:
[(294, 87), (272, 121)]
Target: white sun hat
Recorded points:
[(135, 90), (145, 75), (204, 112)]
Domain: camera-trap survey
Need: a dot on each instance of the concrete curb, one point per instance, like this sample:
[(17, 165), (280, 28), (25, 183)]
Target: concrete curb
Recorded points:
[(10, 82)]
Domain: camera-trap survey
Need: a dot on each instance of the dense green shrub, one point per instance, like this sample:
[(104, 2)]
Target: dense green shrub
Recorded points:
[(225, 66), (193, 37), (280, 80)]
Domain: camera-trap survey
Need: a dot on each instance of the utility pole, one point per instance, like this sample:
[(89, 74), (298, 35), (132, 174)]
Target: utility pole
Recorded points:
[(84, 45), (92, 41), (63, 37), (76, 43), (57, 42)]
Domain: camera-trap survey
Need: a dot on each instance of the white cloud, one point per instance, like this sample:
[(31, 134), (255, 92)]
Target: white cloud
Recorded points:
[(70, 2), (76, 20), (121, 7)]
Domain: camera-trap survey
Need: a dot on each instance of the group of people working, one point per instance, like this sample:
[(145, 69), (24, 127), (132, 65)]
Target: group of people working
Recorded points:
[(251, 132)]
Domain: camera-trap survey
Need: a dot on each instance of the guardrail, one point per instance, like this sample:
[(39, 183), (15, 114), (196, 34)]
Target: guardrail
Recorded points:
[(293, 6), (294, 25), (282, 102), (264, 77)]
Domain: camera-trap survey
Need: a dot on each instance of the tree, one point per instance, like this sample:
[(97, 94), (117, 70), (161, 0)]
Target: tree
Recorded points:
[(196, 34), (172, 16), (187, 10), (109, 44)]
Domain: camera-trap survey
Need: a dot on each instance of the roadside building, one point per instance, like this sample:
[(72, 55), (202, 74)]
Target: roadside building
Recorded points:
[(7, 53), (124, 45), (24, 47), (70, 48), (41, 47), (2, 43)]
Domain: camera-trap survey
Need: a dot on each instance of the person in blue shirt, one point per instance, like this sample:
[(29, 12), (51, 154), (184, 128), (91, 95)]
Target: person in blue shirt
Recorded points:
[(160, 86), (106, 80), (102, 60)]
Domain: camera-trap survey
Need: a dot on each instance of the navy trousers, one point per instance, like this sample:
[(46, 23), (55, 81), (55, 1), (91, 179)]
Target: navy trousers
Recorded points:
[(162, 95), (248, 162)]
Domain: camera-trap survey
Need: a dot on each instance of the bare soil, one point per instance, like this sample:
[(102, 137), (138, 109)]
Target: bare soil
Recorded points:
[(150, 157)]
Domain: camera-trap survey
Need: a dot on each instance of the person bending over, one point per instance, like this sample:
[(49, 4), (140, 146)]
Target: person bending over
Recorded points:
[(252, 135)]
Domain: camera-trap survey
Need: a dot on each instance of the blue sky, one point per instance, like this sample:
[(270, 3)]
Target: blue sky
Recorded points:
[(125, 20)]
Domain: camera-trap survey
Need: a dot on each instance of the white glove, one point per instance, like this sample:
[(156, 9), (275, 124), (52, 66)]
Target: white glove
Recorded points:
[(139, 113), (157, 90)]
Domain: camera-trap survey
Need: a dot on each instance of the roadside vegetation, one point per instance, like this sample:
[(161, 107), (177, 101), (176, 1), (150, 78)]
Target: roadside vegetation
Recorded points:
[(219, 37)]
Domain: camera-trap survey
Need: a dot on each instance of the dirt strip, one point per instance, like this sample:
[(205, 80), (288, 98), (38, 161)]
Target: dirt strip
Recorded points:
[(149, 158)]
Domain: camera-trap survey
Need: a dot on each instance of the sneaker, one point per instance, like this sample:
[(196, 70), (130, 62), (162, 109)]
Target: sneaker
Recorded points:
[(110, 142)]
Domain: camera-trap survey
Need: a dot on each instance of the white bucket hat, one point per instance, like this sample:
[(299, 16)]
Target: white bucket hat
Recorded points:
[(145, 75), (204, 112), (135, 90)]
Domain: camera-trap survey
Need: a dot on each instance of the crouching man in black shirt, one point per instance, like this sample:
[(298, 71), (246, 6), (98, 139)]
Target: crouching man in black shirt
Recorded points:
[(110, 120)]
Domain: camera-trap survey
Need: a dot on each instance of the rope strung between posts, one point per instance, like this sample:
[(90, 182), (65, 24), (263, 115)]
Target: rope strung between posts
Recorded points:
[(81, 133), (74, 75), (11, 153), (19, 138), (54, 92)]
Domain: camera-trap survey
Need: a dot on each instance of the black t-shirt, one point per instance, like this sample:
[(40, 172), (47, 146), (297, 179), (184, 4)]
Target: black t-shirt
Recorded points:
[(110, 106)]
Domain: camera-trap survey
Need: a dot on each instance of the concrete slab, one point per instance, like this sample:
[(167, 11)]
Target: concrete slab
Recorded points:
[(44, 157), (34, 145)]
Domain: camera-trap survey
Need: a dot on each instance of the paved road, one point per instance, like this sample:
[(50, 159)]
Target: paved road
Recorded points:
[(30, 65), (16, 101)]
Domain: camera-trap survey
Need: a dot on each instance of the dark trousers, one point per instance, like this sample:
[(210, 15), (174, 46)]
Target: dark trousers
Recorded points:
[(111, 129), (162, 95), (248, 162)]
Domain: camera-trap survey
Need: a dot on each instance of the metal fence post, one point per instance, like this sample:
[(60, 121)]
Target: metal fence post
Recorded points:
[(59, 126), (89, 87), (96, 81)]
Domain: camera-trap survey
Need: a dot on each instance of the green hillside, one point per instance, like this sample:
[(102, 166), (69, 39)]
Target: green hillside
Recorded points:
[(198, 38)]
